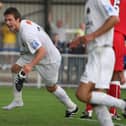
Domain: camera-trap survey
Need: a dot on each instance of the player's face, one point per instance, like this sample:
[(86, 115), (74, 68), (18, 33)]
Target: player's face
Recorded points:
[(12, 23)]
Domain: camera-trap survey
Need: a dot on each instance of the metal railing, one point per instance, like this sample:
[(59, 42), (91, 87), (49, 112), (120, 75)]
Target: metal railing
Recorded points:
[(72, 66), (70, 71)]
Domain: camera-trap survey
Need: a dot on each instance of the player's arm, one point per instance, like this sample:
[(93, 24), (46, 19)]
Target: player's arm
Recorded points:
[(40, 53), (20, 78), (109, 23), (74, 43)]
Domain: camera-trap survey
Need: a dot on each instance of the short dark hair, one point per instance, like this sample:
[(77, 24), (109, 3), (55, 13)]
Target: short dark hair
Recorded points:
[(14, 11)]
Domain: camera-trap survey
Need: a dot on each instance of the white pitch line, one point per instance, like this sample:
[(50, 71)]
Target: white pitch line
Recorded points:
[(93, 120)]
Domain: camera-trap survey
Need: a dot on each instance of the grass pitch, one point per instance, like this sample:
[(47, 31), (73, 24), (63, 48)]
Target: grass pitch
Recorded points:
[(43, 109)]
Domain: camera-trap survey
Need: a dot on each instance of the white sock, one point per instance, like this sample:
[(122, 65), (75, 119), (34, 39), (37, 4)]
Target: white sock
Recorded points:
[(90, 112), (64, 98), (101, 98), (103, 115), (17, 95)]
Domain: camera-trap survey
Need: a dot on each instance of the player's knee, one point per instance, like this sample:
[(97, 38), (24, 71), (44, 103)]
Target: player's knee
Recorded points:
[(83, 92), (15, 68), (51, 88), (84, 97)]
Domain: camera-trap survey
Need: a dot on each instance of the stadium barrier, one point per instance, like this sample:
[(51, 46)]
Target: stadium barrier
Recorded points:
[(72, 66)]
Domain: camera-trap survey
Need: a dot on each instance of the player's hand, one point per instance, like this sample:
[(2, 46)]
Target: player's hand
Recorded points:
[(27, 68), (88, 38), (82, 40), (74, 43)]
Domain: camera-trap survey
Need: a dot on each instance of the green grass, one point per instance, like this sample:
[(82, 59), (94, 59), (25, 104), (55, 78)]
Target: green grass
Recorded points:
[(42, 109)]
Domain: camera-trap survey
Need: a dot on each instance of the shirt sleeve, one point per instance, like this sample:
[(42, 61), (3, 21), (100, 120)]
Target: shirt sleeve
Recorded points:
[(109, 9), (32, 42)]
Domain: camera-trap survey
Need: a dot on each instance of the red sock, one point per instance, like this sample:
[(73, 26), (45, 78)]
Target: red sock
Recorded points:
[(114, 91), (88, 107)]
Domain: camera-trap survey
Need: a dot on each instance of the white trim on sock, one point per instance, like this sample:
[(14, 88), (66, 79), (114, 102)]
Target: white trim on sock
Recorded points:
[(115, 83)]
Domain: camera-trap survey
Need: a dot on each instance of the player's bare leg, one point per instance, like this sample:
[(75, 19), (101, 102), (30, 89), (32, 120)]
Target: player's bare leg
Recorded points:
[(86, 94), (17, 94)]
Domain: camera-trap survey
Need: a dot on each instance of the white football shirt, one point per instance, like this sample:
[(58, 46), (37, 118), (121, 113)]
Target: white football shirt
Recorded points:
[(32, 38), (96, 13)]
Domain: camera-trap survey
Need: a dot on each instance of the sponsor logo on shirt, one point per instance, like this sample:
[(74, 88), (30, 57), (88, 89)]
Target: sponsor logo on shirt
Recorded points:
[(34, 44), (109, 8)]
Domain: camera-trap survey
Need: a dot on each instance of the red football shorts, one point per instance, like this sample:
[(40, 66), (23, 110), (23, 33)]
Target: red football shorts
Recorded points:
[(119, 47)]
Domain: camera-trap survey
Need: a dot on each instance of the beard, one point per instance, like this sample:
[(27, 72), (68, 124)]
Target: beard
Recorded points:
[(11, 29)]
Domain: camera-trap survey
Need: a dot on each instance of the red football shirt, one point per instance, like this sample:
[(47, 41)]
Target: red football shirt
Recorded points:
[(121, 6)]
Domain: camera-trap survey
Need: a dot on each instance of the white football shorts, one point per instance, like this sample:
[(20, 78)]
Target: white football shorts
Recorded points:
[(99, 68), (48, 72)]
